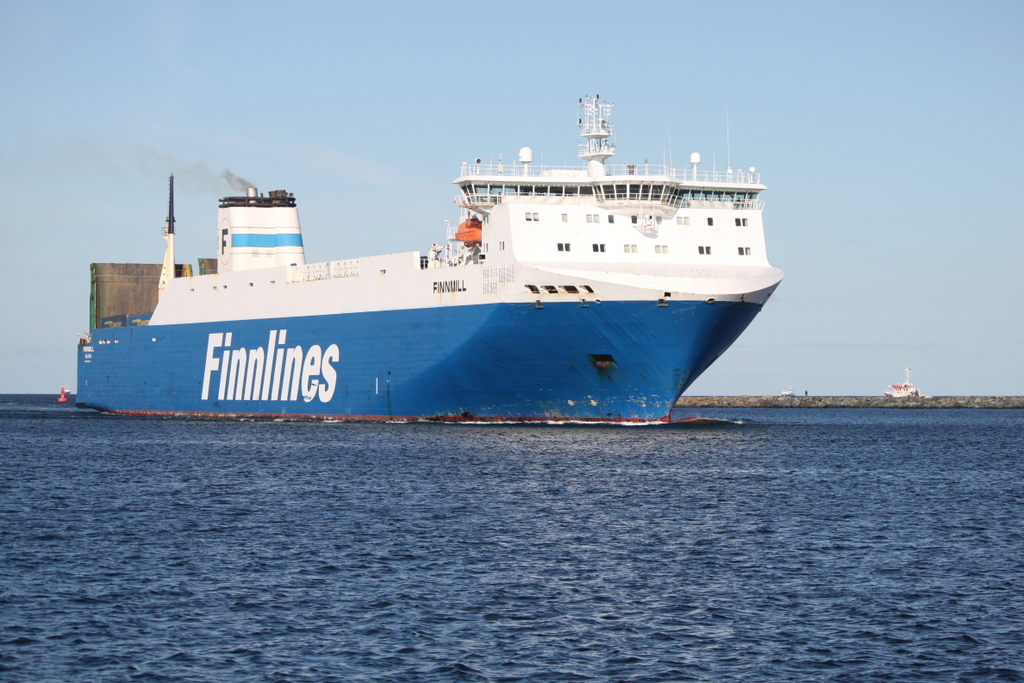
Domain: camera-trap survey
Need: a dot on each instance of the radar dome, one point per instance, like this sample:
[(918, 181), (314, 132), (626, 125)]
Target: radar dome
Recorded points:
[(526, 155)]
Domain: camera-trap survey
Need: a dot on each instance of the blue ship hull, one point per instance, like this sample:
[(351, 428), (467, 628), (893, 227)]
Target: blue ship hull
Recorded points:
[(613, 361)]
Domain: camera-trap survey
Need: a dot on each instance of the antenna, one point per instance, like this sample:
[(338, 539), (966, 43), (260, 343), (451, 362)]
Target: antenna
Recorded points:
[(728, 147)]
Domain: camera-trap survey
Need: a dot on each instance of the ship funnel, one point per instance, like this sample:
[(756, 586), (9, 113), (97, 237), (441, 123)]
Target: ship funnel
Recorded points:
[(258, 232)]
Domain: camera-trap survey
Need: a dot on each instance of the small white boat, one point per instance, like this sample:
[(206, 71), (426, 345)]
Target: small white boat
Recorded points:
[(788, 392), (905, 390)]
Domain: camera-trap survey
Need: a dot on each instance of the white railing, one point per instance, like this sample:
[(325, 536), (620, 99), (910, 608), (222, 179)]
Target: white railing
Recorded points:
[(613, 171), (677, 202)]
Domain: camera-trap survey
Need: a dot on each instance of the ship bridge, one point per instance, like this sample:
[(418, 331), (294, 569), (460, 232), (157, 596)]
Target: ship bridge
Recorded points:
[(624, 185), (614, 187)]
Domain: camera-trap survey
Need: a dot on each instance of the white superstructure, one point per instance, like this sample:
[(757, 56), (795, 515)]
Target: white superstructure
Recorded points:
[(599, 232)]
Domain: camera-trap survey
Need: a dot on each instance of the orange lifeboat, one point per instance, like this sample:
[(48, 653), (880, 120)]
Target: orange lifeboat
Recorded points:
[(470, 231)]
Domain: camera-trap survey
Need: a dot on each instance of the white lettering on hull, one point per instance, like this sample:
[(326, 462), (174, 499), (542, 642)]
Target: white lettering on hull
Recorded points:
[(274, 372)]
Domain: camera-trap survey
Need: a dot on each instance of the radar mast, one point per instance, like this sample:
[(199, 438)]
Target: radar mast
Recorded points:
[(167, 273), (596, 128)]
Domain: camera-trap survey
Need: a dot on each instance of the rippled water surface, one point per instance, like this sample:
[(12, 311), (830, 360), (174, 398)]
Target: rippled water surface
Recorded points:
[(778, 545)]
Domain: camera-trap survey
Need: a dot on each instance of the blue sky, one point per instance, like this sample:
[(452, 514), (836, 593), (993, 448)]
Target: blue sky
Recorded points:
[(887, 133)]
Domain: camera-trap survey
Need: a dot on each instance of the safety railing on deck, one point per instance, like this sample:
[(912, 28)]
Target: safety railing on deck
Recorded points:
[(614, 171)]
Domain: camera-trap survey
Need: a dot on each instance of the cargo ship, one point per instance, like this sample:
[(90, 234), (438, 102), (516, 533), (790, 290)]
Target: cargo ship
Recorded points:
[(593, 293)]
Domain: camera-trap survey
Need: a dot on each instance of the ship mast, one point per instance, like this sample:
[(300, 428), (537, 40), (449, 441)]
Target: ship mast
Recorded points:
[(167, 273), (596, 127)]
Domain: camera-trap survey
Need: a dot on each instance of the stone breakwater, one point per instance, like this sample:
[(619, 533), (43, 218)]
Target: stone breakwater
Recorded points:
[(850, 402)]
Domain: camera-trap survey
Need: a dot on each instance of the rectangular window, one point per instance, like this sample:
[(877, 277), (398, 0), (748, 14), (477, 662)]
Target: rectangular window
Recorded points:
[(529, 216), (738, 224), (565, 218), (536, 217), (633, 219), (711, 221), (657, 220), (590, 218), (657, 248), (740, 250), (686, 220), (744, 222), (746, 251), (703, 250), (660, 248), (598, 247), (611, 218), (561, 247)]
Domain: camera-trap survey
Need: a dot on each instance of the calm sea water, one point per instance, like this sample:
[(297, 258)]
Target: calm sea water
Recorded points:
[(778, 545)]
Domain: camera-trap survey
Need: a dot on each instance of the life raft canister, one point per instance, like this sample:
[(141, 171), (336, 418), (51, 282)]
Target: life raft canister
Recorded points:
[(471, 232)]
